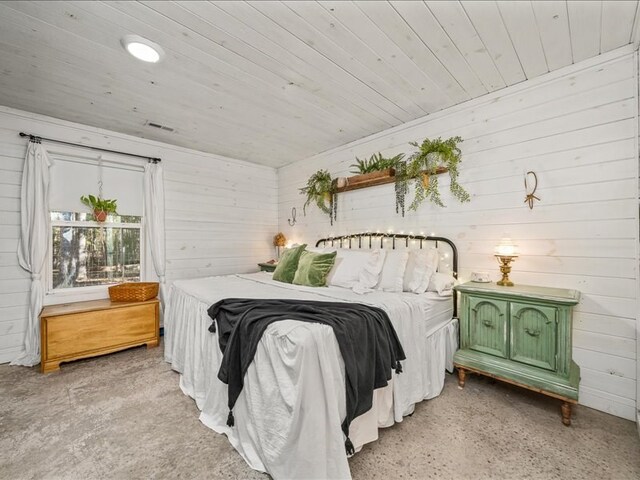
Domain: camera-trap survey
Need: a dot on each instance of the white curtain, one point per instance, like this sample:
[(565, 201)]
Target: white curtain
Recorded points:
[(34, 243), (154, 220)]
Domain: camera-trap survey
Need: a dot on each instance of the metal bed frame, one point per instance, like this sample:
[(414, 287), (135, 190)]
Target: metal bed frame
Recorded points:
[(371, 240)]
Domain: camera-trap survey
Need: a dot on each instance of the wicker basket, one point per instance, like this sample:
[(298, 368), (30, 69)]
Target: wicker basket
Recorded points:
[(133, 292)]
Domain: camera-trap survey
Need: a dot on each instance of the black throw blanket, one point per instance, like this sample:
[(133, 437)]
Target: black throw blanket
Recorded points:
[(368, 343)]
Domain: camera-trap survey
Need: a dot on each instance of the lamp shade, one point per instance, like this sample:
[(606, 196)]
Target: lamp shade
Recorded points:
[(506, 248)]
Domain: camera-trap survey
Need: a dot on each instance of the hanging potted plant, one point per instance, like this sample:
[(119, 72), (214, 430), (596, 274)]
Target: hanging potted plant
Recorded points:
[(101, 207), (321, 190), (433, 157)]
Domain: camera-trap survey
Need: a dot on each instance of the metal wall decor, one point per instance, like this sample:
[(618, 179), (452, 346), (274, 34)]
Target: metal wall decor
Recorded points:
[(292, 220), (530, 196)]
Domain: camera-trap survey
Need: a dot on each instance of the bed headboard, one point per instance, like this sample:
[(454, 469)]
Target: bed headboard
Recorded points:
[(370, 240)]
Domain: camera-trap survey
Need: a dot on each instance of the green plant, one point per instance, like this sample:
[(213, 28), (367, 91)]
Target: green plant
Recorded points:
[(376, 163), (432, 155), (321, 190), (98, 204)]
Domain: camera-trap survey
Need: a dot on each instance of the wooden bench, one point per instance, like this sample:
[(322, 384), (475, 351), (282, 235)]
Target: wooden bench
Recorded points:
[(86, 329)]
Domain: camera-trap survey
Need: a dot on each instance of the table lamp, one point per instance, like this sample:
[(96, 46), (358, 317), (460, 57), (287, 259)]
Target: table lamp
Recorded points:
[(506, 252)]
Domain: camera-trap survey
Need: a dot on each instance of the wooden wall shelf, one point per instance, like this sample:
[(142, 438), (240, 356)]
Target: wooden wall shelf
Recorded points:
[(376, 178)]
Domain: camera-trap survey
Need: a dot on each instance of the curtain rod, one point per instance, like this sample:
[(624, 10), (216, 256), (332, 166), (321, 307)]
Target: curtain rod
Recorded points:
[(36, 138)]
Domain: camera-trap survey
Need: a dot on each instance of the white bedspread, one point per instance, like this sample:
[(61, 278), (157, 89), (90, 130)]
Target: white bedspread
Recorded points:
[(289, 412)]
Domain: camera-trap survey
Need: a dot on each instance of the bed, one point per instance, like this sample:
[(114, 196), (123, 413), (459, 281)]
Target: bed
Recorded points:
[(289, 412)]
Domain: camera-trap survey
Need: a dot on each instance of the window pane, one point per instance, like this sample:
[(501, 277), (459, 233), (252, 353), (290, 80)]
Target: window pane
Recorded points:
[(87, 256)]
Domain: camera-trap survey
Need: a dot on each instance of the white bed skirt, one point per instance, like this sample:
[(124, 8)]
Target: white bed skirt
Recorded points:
[(288, 415)]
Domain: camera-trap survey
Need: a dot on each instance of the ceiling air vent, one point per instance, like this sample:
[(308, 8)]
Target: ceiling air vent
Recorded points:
[(161, 127)]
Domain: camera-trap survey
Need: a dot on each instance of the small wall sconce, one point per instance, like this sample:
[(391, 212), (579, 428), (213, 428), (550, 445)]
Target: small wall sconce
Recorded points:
[(506, 252), (292, 220)]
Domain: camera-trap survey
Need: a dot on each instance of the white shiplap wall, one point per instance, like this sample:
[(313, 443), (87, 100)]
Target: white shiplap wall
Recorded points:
[(577, 129), (221, 213)]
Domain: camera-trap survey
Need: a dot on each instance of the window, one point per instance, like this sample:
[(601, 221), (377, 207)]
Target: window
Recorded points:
[(85, 253)]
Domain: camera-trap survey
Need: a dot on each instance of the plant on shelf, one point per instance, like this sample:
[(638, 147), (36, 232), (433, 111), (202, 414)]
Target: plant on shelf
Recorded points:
[(433, 157), (101, 206), (321, 190), (375, 163)]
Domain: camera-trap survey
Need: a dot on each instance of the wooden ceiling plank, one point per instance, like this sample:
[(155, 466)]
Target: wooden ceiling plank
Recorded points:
[(426, 93), (425, 25), (104, 80), (585, 26), (552, 19), (53, 82), (635, 31), (311, 71), (338, 43), (329, 93), (123, 63), (617, 24), (323, 68), (266, 153), (398, 31), (287, 17), (486, 18), (342, 118), (453, 19), (523, 30)]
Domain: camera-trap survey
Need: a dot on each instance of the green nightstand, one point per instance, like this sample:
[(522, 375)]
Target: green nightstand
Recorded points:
[(267, 267), (520, 335)]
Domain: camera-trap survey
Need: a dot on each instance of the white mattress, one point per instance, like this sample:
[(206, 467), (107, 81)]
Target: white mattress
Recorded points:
[(298, 369)]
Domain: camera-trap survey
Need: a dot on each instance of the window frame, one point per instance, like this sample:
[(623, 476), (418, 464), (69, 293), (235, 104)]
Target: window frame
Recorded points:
[(95, 292), (63, 292)]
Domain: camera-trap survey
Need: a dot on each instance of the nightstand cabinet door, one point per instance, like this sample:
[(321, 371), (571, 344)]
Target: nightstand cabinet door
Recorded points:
[(534, 334), (488, 326)]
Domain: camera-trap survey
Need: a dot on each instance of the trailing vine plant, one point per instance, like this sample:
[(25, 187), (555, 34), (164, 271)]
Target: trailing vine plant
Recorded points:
[(432, 155), (401, 186), (321, 190)]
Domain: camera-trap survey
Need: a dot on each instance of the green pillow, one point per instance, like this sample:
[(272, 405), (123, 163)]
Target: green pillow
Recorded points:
[(313, 268), (288, 264)]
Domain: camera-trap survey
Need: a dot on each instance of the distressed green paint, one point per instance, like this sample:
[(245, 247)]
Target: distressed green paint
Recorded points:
[(533, 334), (488, 326), (520, 333)]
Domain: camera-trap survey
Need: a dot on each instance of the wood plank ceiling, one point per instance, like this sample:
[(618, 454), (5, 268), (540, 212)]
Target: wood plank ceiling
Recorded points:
[(274, 82)]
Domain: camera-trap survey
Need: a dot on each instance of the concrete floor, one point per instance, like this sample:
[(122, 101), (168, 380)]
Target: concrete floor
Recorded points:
[(123, 416)]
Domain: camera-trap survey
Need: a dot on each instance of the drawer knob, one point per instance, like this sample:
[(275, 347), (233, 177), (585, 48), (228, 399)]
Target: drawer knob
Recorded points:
[(487, 323), (533, 333)]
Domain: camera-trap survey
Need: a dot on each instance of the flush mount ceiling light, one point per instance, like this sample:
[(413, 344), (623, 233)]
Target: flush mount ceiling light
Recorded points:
[(142, 49)]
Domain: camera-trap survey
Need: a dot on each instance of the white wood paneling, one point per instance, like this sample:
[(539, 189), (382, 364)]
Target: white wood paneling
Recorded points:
[(524, 32), (272, 82), (584, 24), (488, 22), (577, 129), (552, 19), (454, 20), (617, 23), (221, 213)]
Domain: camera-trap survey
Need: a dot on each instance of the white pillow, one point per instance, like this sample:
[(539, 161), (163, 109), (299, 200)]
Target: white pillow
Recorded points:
[(370, 274), (392, 275), (442, 283), (422, 264), (444, 261), (347, 267)]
